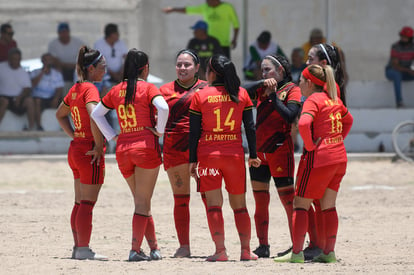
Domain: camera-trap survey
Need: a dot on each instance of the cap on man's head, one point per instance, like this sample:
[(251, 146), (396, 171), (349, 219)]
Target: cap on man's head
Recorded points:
[(63, 27), (200, 25), (407, 31)]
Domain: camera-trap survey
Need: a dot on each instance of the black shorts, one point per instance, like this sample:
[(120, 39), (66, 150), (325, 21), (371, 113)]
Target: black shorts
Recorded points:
[(12, 106), (44, 102)]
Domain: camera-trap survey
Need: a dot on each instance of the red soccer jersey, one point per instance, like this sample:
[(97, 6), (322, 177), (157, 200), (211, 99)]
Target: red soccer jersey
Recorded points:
[(271, 128), (328, 118), (134, 118), (221, 120), (178, 125), (78, 96)]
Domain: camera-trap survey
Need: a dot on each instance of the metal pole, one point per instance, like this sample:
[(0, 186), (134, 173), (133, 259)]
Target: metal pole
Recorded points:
[(328, 26), (245, 28)]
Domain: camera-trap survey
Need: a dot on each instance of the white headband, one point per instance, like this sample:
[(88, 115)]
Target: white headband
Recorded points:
[(271, 57), (326, 54)]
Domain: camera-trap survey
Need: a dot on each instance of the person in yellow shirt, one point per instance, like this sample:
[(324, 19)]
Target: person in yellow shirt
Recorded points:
[(220, 18)]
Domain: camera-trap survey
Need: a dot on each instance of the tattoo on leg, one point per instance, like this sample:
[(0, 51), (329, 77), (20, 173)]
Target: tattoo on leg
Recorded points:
[(178, 180)]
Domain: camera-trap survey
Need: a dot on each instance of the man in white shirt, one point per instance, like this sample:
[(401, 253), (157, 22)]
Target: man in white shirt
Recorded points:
[(114, 50), (65, 50), (15, 88)]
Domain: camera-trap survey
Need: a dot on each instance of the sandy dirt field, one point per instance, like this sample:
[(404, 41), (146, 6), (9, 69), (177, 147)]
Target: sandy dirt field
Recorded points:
[(375, 208)]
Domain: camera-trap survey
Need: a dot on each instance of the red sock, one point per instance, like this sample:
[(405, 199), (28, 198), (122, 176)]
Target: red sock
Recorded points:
[(242, 219), (182, 218), (139, 225), (300, 225), (150, 234), (204, 199), (261, 215), (286, 198), (320, 226), (216, 225), (312, 227), (330, 217), (84, 222), (73, 223)]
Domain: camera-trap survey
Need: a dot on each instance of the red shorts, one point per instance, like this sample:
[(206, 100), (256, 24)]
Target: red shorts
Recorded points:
[(142, 157), (312, 182), (81, 164), (281, 162), (212, 169), (174, 158)]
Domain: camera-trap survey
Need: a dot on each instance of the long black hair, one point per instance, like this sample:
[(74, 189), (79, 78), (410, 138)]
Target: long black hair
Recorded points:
[(334, 58), (135, 63), (87, 57), (226, 73)]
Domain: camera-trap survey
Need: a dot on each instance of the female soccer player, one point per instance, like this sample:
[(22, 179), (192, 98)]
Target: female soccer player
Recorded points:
[(86, 151), (323, 54), (137, 150), (278, 105), (178, 95), (216, 151), (324, 124)]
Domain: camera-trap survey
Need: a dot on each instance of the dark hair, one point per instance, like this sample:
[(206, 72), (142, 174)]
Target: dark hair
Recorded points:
[(264, 37), (86, 58), (284, 62), (110, 29), (135, 63), (333, 58), (4, 27), (14, 51), (226, 73), (192, 53)]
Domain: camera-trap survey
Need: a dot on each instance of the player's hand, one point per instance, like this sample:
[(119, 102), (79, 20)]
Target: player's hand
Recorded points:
[(271, 86), (254, 162), (233, 43), (154, 131), (96, 154), (193, 170)]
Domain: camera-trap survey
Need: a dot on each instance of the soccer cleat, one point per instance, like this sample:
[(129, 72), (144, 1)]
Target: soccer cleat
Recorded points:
[(311, 252), (218, 257), (85, 253), (247, 255), (183, 252), (263, 251), (283, 253), (325, 258), (73, 252), (138, 256), (291, 258), (155, 255)]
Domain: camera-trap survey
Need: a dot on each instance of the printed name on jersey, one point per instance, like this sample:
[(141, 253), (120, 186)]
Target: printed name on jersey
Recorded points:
[(218, 98), (217, 137)]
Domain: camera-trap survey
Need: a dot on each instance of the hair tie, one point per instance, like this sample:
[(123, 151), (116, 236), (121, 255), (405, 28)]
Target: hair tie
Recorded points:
[(197, 60), (140, 68), (326, 53), (274, 59), (94, 61), (211, 66), (312, 78)]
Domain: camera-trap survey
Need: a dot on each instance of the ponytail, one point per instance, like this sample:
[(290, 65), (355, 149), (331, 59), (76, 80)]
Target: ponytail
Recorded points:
[(226, 73), (87, 57), (135, 63), (323, 78)]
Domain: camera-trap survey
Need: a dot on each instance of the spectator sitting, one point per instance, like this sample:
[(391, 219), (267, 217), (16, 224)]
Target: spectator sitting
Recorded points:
[(114, 50), (65, 51), (204, 45), (47, 85), (401, 59), (297, 64), (15, 88), (6, 41), (257, 51)]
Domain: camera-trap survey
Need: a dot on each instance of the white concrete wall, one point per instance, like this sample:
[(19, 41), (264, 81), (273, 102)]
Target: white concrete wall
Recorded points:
[(364, 28)]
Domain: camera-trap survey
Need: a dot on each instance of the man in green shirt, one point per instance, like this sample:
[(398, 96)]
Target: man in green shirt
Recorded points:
[(220, 17)]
